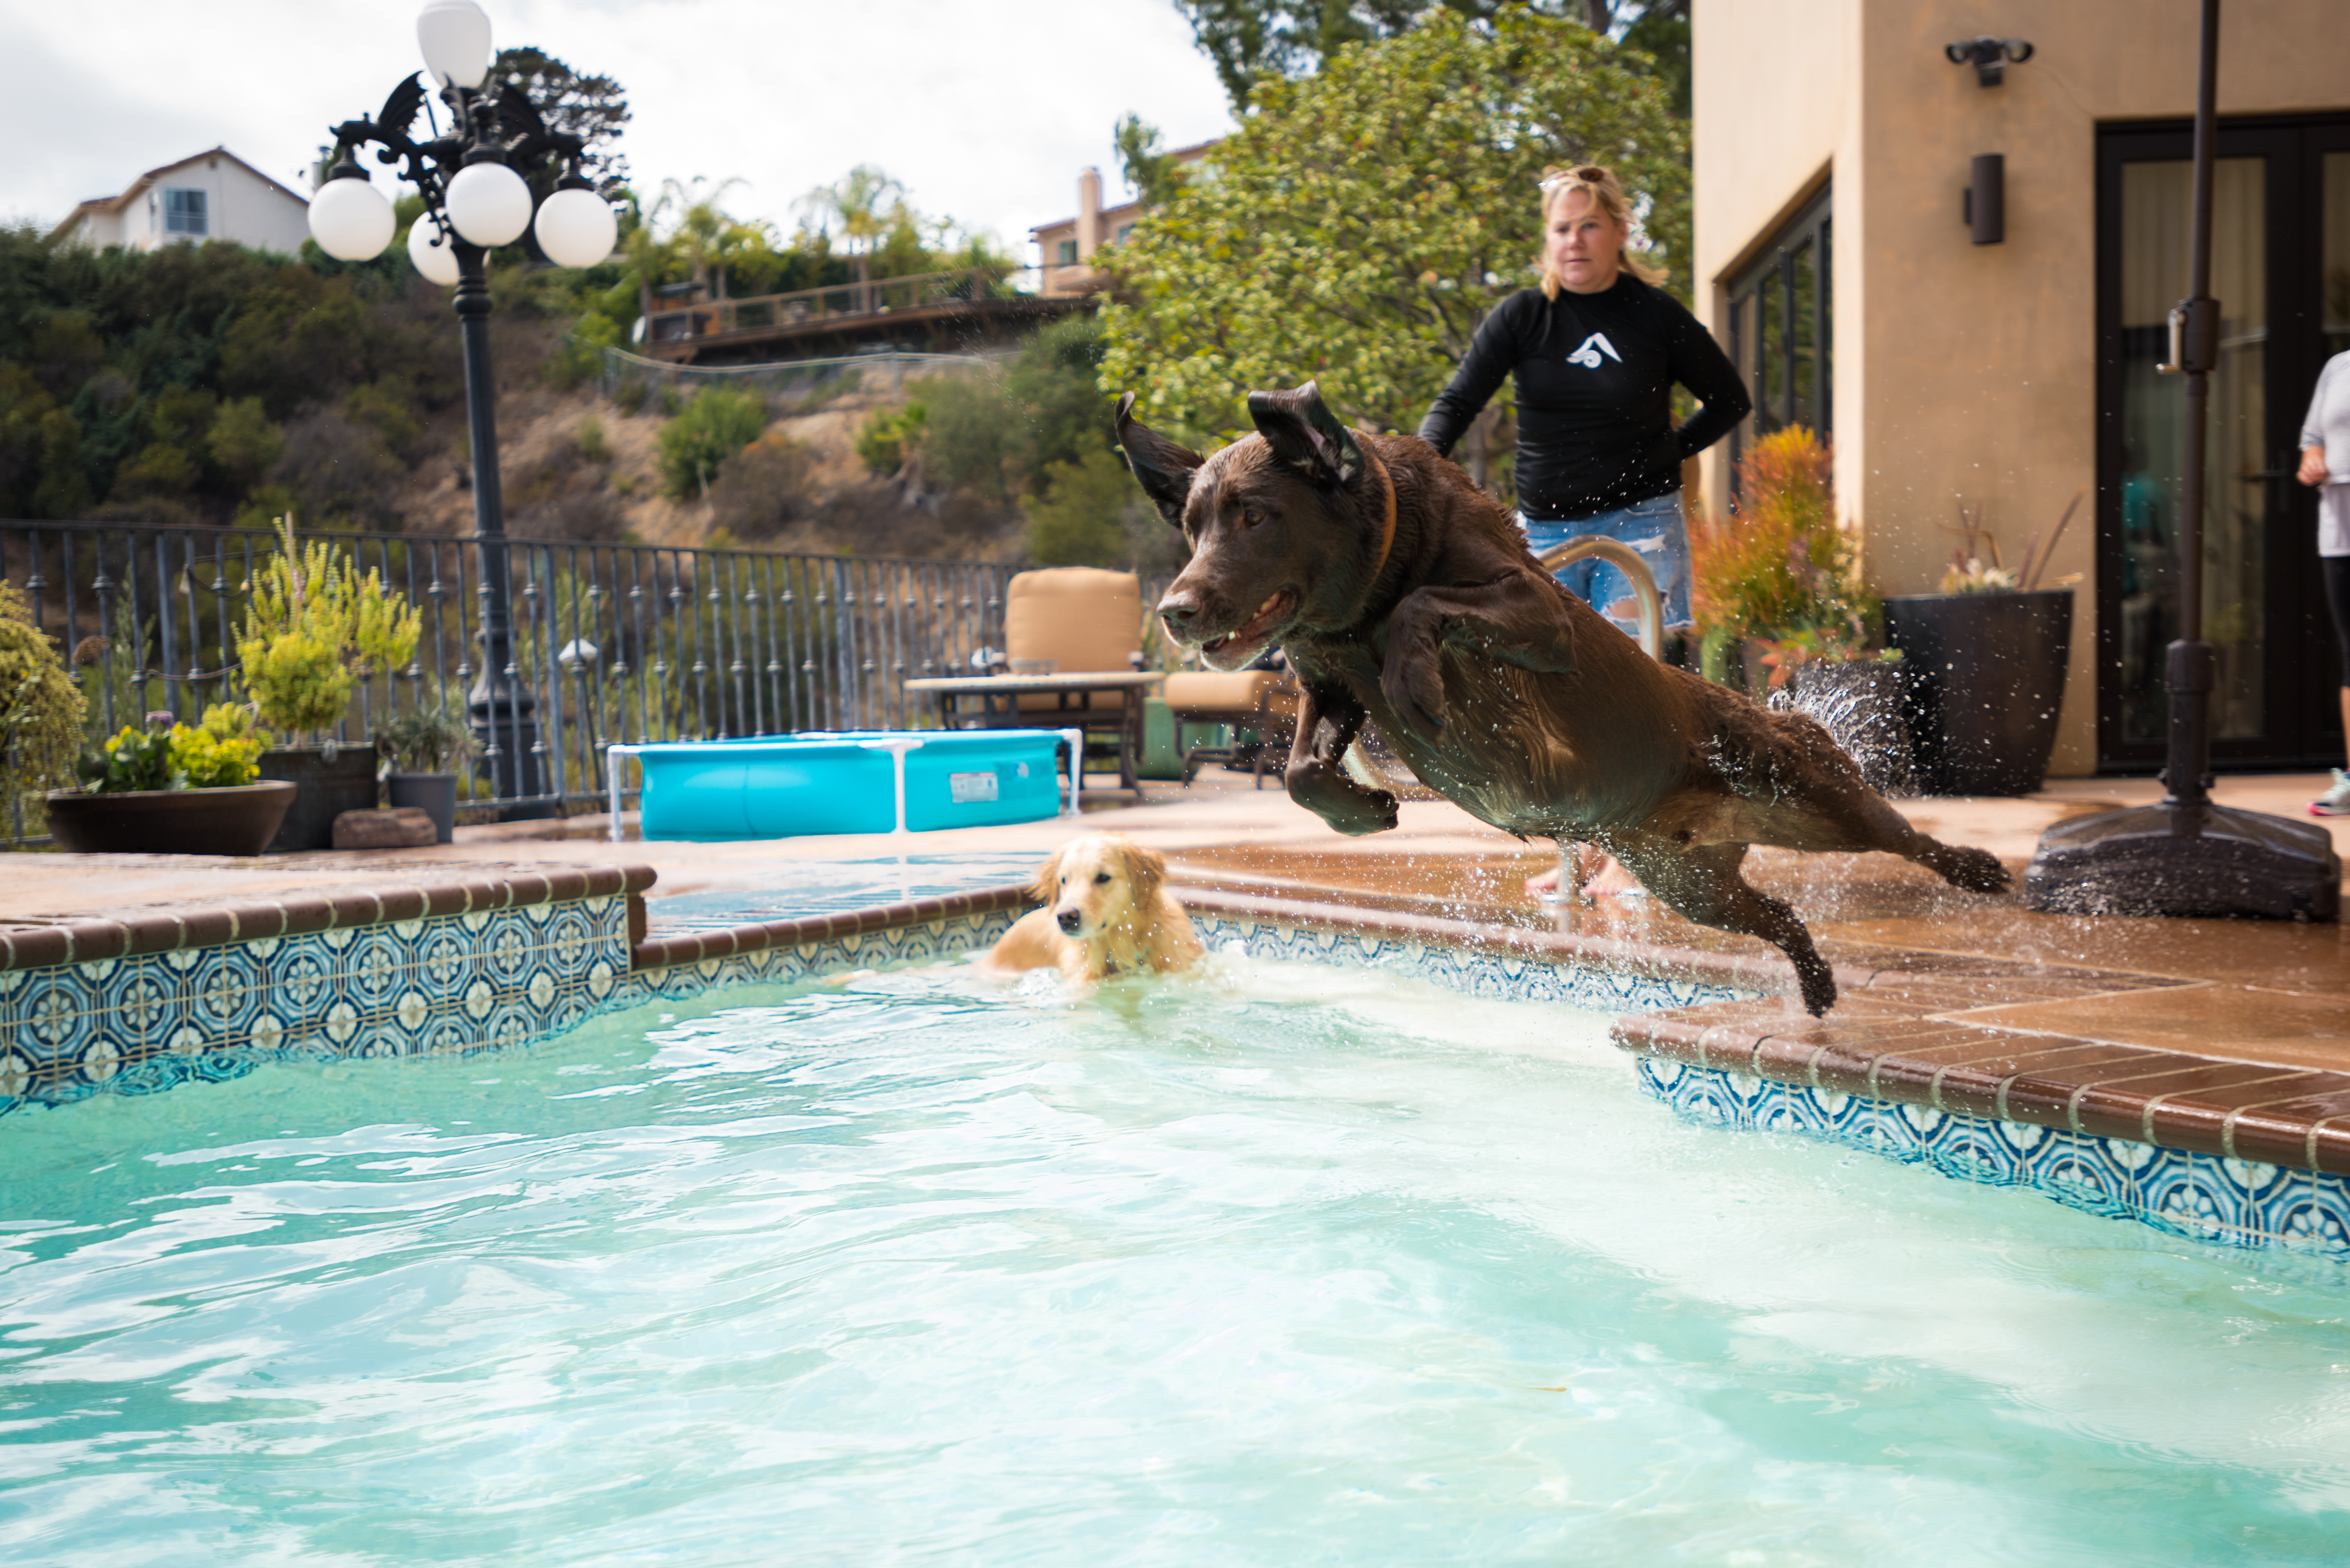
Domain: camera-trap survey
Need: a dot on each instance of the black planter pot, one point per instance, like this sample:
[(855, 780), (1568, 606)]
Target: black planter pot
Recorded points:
[(435, 794), (236, 821), (1986, 683), (327, 788), (1860, 705)]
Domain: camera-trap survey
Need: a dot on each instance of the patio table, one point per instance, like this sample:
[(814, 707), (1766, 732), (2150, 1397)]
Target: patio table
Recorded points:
[(993, 702)]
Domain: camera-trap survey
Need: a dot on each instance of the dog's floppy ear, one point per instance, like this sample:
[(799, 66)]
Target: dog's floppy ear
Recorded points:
[(1146, 873), (1164, 468), (1307, 436), (1047, 888)]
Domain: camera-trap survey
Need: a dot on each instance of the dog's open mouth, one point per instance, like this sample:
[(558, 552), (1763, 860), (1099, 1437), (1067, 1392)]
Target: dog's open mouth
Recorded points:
[(1249, 636)]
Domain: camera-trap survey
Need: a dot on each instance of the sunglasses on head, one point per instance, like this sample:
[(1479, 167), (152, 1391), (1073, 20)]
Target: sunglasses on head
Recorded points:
[(1590, 174)]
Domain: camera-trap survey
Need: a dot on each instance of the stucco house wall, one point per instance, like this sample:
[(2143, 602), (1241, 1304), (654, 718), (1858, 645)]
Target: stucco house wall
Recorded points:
[(1963, 373), (240, 204)]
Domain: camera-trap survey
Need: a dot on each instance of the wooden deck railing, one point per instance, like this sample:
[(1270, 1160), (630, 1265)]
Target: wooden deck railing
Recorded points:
[(808, 306)]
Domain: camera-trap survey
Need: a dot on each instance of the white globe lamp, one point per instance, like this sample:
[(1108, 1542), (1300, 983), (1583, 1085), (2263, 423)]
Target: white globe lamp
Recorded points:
[(490, 205), (428, 249), (455, 37), (576, 228), (350, 219)]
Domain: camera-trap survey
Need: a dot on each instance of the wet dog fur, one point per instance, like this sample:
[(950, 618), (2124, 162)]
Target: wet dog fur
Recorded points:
[(1405, 596), (1107, 911)]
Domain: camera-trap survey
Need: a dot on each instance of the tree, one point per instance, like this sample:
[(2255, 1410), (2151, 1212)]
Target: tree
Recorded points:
[(866, 203), (1252, 39), (1363, 221), (591, 108), (1152, 175)]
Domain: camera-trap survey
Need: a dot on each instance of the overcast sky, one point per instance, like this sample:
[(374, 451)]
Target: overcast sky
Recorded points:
[(986, 109)]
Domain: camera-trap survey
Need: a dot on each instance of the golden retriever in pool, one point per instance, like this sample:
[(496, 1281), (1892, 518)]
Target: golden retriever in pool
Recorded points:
[(1106, 912)]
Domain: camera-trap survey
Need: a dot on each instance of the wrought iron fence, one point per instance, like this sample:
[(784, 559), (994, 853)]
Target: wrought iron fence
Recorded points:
[(618, 643)]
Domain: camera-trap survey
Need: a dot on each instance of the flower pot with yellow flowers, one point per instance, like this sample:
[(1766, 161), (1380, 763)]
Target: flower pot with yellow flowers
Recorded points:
[(173, 789), (314, 629)]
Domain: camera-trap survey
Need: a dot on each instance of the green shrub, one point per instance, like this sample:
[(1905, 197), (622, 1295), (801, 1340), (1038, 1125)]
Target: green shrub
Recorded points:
[(313, 627), (40, 708), (889, 436), (1087, 515), (590, 437), (223, 752), (432, 737), (132, 759), (713, 427)]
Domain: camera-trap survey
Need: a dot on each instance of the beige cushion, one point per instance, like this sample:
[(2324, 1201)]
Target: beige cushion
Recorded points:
[(1081, 618), (1210, 690)]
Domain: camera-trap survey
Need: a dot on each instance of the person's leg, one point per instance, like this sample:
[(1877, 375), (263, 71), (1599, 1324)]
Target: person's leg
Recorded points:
[(1656, 532), (2335, 801)]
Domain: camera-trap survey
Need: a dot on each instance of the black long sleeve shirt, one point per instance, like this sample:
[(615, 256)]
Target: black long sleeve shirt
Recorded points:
[(1595, 375)]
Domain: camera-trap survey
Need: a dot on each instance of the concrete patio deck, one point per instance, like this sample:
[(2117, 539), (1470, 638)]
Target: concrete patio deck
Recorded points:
[(2281, 985)]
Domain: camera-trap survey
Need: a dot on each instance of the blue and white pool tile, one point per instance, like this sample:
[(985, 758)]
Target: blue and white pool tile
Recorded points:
[(2199, 1196)]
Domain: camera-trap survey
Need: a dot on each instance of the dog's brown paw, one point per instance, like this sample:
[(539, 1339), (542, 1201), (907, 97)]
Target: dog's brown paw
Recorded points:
[(1976, 870), (1370, 811), (1817, 989)]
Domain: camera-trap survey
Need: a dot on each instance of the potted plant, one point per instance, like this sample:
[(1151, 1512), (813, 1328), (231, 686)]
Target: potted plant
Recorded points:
[(1778, 597), (173, 789), (41, 713), (1988, 655), (314, 628), (421, 750)]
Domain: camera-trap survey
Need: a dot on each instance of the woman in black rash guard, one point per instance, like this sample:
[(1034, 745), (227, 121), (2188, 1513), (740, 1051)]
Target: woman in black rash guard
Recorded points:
[(1597, 351)]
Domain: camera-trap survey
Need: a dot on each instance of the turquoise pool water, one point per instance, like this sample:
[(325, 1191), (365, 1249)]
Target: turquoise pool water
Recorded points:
[(1289, 1266)]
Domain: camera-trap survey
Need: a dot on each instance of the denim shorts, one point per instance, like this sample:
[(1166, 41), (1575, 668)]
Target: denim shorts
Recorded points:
[(1654, 527)]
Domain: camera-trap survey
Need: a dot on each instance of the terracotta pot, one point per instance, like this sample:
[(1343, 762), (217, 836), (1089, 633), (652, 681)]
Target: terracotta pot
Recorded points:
[(240, 820), (435, 794), (327, 789)]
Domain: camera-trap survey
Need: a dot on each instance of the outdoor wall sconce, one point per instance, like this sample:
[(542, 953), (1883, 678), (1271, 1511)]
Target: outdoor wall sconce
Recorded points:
[(1990, 58), (1984, 207)]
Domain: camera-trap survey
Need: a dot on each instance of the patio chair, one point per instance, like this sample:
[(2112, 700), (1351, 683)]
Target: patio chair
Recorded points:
[(1080, 619), (1263, 701)]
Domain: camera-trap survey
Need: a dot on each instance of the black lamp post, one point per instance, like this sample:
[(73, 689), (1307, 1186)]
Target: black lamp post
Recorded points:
[(477, 196), (2188, 855)]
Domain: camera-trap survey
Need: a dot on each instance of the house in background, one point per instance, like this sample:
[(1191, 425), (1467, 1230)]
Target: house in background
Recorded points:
[(1065, 248), (215, 195), (1841, 165)]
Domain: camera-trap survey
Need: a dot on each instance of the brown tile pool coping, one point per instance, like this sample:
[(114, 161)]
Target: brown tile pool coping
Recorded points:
[(1913, 1026), (89, 938)]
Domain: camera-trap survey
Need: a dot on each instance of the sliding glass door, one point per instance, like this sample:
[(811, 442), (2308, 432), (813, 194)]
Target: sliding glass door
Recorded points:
[(2280, 271)]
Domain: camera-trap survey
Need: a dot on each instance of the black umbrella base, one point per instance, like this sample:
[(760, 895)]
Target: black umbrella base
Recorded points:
[(2211, 861)]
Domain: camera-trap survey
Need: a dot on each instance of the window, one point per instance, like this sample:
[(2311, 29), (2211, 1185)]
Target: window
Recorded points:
[(1067, 255), (1123, 230), (1780, 314), (183, 213)]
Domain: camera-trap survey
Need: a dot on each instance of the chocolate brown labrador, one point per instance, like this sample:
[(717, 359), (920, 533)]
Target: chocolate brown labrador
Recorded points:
[(1404, 595)]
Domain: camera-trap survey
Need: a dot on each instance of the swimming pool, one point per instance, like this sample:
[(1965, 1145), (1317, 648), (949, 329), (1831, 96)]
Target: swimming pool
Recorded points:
[(1292, 1265)]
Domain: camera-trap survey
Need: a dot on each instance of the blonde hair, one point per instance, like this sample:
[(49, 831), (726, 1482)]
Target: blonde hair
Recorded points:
[(1607, 196)]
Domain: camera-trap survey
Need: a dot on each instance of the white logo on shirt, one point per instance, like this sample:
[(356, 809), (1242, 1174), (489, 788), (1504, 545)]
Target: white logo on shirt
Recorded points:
[(1588, 355)]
